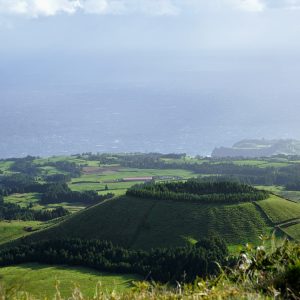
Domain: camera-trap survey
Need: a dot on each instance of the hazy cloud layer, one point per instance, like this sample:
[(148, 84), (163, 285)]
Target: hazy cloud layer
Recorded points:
[(35, 8)]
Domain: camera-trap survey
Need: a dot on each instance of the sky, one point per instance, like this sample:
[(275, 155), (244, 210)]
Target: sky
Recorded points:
[(139, 37), (36, 8), (160, 24), (235, 61)]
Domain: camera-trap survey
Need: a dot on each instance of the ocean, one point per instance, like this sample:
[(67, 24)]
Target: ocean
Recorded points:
[(56, 120)]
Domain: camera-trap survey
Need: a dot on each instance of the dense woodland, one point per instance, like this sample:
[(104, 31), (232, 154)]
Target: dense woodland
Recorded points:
[(60, 192), (28, 166), (164, 265), (20, 183), (71, 168), (195, 190), (294, 186)]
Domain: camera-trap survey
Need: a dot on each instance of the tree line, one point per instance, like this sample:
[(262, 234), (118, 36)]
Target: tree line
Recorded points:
[(60, 192), (163, 265), (51, 192), (12, 211), (73, 169), (197, 191), (28, 166)]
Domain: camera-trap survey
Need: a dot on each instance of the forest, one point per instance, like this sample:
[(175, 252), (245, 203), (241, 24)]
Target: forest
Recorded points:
[(195, 190), (11, 211), (60, 192), (182, 264)]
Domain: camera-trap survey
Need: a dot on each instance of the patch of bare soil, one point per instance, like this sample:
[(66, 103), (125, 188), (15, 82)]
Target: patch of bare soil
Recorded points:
[(100, 170)]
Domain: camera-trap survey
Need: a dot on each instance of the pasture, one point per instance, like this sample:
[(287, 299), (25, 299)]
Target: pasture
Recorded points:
[(26, 199), (111, 177), (293, 231), (11, 230), (41, 280), (280, 210)]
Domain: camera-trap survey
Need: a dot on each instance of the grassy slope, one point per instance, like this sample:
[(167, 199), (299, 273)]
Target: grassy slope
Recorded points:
[(147, 223), (280, 210), (293, 231), (40, 280), (15, 229)]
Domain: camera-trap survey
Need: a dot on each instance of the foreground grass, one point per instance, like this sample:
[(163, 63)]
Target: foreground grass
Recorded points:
[(257, 274), (40, 280)]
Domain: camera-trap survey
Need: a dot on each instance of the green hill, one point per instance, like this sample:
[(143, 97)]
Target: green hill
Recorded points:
[(145, 223), (173, 214)]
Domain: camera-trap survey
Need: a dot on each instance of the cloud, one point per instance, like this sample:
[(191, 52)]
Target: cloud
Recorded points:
[(35, 8), (249, 5)]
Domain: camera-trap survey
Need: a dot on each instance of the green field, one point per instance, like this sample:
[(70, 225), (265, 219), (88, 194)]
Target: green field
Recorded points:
[(293, 231), (110, 177), (5, 165), (24, 200), (281, 191), (280, 210), (40, 280), (10, 230), (261, 163)]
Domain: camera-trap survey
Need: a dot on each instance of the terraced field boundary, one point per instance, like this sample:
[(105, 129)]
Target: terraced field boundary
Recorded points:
[(277, 215)]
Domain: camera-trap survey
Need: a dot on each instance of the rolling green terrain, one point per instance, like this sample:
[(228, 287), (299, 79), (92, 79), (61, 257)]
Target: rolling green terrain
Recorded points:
[(142, 223), (294, 231), (10, 230), (95, 178), (279, 210), (41, 280), (146, 223), (23, 200)]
